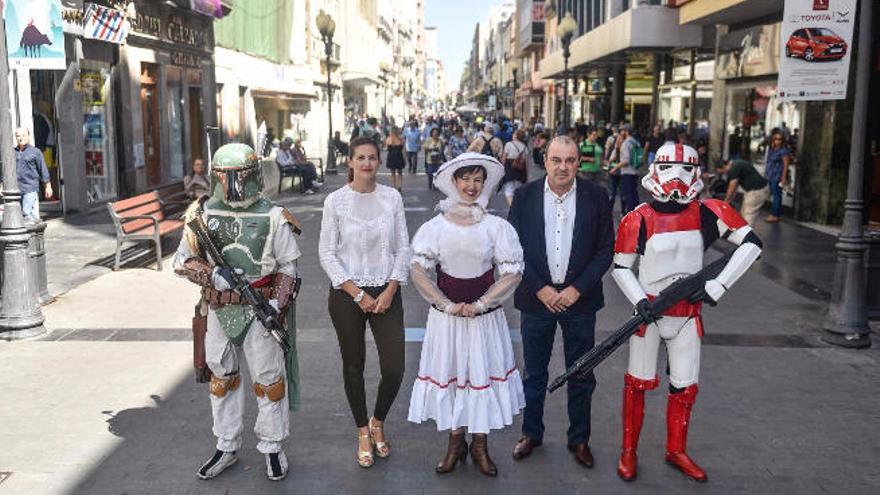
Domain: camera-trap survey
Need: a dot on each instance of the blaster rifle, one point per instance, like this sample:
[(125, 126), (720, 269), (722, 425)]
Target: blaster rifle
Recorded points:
[(264, 311), (681, 289)]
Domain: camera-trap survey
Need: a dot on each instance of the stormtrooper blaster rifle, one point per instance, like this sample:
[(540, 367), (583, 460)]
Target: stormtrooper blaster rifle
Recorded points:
[(689, 287), (264, 311)]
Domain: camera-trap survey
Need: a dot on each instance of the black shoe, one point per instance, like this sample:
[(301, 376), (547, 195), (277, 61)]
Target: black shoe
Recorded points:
[(216, 464)]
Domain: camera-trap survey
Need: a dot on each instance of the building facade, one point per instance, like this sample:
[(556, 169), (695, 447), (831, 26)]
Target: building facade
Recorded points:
[(98, 121)]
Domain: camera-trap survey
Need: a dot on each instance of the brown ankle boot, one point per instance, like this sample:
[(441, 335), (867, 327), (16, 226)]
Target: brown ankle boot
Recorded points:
[(457, 452), (480, 454)]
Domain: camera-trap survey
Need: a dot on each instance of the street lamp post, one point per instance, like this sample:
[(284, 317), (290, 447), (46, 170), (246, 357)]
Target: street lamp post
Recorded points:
[(384, 69), (847, 321), (20, 314), (514, 67), (327, 26), (565, 30)]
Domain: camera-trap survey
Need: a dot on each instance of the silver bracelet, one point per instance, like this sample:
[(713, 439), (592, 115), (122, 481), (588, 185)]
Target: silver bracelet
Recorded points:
[(359, 297)]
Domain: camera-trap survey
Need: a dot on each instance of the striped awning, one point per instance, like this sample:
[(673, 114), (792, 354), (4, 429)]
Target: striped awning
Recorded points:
[(102, 23)]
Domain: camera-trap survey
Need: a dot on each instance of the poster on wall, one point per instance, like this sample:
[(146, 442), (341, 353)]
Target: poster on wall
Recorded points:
[(34, 34), (815, 47)]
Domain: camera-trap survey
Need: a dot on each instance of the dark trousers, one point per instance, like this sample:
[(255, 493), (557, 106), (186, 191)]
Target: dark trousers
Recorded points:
[(775, 198), (350, 323), (309, 174), (629, 193), (578, 336), (412, 158), (430, 170), (613, 187)]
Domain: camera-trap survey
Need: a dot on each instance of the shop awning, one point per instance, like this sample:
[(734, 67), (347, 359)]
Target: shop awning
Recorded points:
[(359, 79), (302, 94), (647, 27), (712, 12)]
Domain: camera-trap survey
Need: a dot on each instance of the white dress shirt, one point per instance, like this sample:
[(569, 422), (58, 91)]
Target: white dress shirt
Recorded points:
[(364, 237), (559, 213)]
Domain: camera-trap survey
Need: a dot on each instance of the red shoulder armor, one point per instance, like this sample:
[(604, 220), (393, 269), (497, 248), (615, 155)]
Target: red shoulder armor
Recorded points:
[(628, 233), (725, 213)]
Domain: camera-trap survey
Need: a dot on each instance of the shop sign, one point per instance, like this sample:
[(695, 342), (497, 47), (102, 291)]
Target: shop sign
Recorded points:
[(172, 29), (181, 33), (34, 34), (186, 60), (104, 24), (72, 16), (748, 52), (815, 49)]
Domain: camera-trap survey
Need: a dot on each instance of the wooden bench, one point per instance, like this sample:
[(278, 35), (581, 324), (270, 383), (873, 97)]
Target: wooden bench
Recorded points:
[(294, 174), (145, 217), (173, 197)]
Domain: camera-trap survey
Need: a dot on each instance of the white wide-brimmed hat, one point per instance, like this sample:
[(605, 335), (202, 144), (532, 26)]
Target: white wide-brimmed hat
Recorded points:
[(444, 181)]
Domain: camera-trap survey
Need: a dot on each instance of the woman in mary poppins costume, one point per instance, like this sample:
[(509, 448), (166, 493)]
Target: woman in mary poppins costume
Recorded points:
[(467, 380)]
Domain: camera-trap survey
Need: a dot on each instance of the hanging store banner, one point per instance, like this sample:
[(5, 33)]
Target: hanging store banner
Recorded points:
[(105, 24), (815, 46), (34, 34), (207, 7)]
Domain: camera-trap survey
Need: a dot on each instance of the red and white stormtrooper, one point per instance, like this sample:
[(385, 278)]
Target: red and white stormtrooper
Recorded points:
[(668, 237)]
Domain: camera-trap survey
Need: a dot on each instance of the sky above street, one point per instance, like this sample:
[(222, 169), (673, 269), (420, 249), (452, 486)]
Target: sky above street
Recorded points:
[(455, 21)]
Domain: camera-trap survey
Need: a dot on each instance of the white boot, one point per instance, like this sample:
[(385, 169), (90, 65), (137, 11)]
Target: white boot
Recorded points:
[(276, 466), (216, 464)]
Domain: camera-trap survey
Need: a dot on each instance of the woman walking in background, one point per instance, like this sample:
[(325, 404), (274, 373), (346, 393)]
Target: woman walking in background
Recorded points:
[(458, 143), (395, 161), (776, 172), (467, 380), (364, 249), (433, 155), (515, 160)]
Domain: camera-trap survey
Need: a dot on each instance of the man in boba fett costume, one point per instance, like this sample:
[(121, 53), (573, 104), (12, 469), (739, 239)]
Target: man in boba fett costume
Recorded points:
[(256, 239)]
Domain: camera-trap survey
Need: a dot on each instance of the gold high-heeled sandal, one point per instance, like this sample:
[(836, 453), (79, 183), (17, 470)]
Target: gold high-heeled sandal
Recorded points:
[(365, 457), (383, 449)]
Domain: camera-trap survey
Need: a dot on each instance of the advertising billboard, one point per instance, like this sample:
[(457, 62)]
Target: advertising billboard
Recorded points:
[(815, 47)]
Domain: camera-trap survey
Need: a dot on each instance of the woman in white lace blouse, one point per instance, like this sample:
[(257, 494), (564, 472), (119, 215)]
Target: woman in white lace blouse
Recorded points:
[(364, 249)]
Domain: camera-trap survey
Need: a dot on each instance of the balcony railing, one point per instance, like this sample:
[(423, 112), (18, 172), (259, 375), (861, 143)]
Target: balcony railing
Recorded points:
[(318, 50)]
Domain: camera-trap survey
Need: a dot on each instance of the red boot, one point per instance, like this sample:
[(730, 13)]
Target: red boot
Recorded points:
[(678, 413), (633, 414)]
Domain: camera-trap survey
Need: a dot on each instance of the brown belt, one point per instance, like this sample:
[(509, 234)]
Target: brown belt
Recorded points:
[(223, 297)]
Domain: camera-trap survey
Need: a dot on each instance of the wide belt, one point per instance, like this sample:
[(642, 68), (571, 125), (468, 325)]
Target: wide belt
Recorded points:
[(218, 298)]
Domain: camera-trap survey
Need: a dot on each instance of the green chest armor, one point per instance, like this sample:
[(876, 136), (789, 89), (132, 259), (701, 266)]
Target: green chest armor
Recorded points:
[(241, 235)]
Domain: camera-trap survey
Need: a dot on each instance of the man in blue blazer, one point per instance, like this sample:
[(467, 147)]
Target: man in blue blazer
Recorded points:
[(565, 227)]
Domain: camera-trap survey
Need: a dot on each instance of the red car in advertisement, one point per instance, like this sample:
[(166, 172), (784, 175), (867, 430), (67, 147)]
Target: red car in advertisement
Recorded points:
[(815, 43)]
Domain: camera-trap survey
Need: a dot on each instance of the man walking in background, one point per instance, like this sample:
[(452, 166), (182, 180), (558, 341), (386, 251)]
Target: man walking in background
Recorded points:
[(31, 170), (743, 173), (625, 168), (412, 138)]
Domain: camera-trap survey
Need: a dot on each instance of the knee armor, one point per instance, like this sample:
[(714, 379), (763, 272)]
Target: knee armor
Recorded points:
[(274, 392), (221, 386)]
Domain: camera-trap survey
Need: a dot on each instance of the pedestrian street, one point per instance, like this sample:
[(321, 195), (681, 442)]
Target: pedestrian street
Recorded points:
[(107, 403)]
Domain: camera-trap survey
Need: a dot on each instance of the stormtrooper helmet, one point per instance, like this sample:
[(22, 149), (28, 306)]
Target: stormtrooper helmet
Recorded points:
[(674, 175)]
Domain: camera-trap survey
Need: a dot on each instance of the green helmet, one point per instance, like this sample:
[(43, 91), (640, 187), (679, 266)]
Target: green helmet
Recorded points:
[(236, 177)]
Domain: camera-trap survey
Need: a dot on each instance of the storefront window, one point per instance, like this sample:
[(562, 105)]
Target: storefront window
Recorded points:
[(97, 136), (176, 124), (753, 111), (43, 133)]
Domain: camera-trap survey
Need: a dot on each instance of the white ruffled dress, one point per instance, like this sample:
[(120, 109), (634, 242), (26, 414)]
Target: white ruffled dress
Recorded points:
[(467, 373)]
